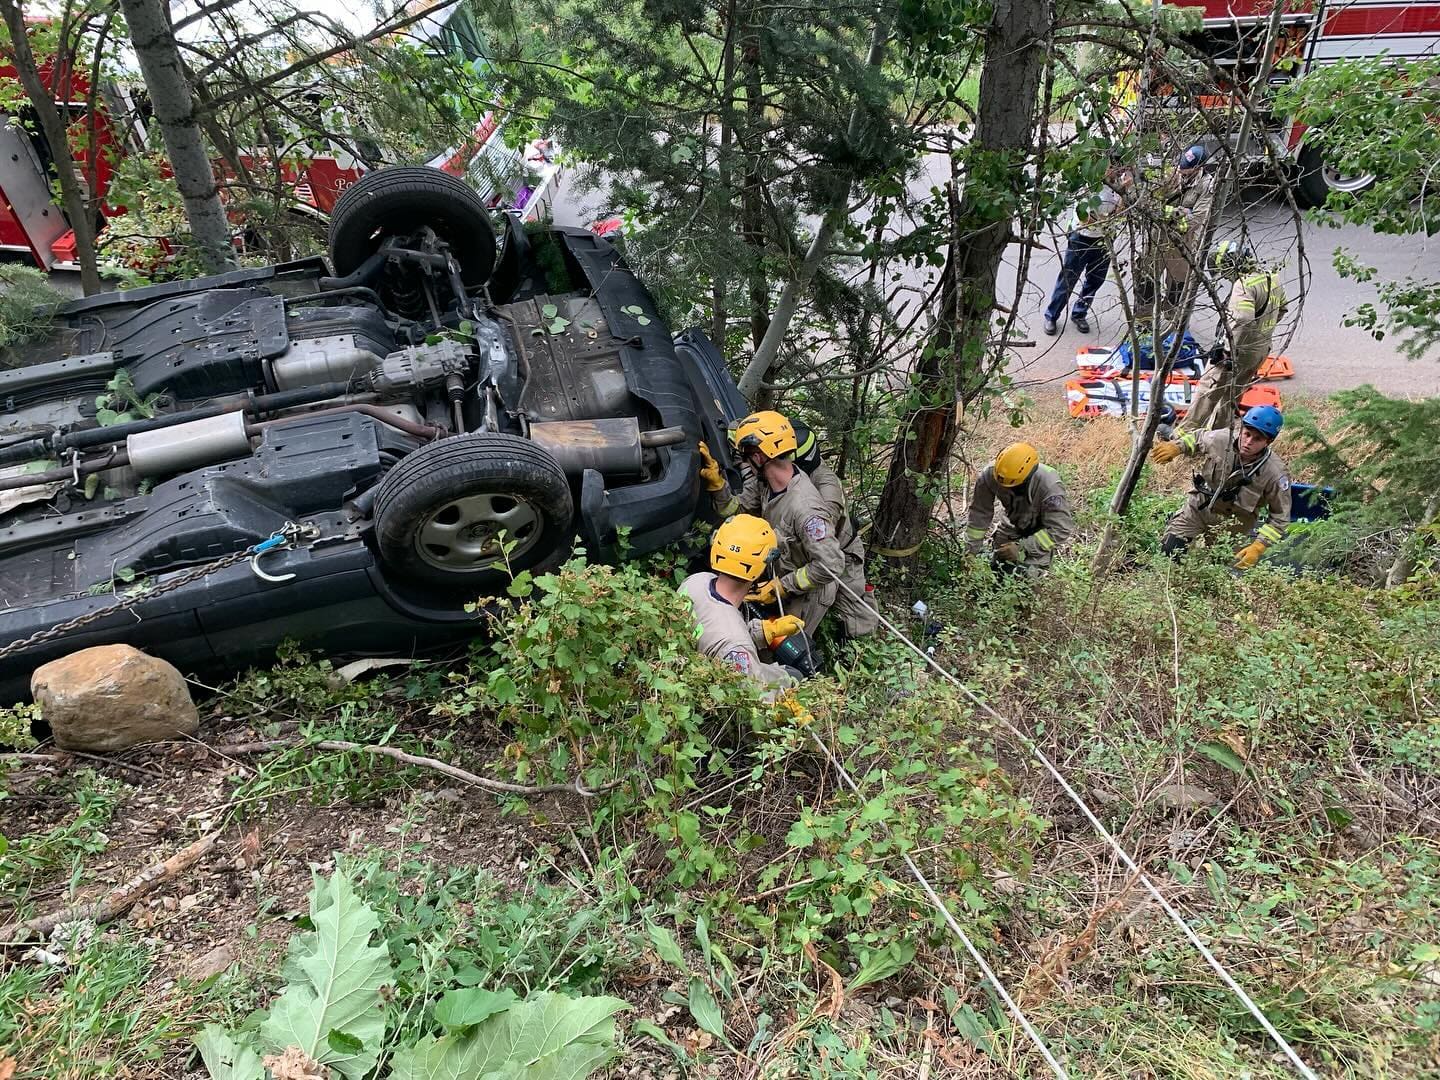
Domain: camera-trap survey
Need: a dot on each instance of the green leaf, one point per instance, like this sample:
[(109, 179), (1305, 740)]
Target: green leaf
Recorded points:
[(334, 975), (92, 485), (1222, 755), (466, 1008), (545, 1037), (227, 1059), (651, 1031), (878, 964), (702, 935), (667, 947), (39, 467), (643, 320), (107, 417), (549, 311), (705, 1009), (126, 573), (343, 1044)]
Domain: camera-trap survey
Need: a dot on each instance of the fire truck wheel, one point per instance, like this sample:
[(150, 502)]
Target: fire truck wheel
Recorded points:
[(1316, 179), (401, 200)]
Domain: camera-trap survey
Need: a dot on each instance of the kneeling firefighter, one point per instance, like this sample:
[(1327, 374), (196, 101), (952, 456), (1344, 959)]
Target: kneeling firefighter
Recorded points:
[(740, 554), (1238, 477)]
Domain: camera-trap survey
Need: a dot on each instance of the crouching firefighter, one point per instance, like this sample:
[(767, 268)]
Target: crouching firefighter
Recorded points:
[(1238, 477), (810, 560), (1035, 512), (740, 553)]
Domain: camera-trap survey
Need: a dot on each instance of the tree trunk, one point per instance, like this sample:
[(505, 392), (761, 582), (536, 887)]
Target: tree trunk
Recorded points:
[(725, 174), (752, 198), (1404, 564), (768, 348), (73, 194), (952, 366), (174, 105)]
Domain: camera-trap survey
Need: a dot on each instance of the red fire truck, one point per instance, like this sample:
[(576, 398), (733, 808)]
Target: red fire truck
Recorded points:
[(33, 222), (1313, 33)]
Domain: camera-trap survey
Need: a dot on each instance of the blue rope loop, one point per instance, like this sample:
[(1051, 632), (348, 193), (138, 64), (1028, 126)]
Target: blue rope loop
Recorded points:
[(275, 540)]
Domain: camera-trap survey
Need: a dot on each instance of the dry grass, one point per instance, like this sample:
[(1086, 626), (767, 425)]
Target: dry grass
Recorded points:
[(1091, 453)]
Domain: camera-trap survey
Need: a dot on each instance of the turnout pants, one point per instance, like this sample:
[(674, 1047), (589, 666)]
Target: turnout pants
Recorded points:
[(1219, 390)]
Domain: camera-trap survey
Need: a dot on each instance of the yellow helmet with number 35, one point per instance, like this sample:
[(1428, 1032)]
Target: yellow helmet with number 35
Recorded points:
[(742, 546)]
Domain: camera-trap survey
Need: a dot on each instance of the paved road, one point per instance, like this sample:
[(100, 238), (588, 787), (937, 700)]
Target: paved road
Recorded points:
[(1328, 356)]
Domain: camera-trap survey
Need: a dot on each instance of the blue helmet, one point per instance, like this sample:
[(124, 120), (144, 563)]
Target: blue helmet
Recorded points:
[(1265, 419)]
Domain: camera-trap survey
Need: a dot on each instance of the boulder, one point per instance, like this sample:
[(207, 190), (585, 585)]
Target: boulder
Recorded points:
[(110, 697)]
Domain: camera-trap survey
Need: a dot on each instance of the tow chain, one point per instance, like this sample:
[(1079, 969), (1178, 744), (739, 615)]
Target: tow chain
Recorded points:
[(285, 537)]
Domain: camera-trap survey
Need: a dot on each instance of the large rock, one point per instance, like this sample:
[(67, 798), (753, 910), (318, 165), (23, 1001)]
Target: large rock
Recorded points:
[(110, 697)]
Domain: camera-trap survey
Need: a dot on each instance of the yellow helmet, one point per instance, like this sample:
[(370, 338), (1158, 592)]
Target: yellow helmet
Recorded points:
[(741, 547), (768, 432), (1015, 463)]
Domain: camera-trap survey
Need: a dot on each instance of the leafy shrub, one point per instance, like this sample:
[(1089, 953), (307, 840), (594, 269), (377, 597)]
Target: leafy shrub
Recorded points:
[(337, 1013), (27, 304), (597, 680)]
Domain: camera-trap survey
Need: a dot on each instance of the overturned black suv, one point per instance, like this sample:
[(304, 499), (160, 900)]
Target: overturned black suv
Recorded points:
[(439, 412)]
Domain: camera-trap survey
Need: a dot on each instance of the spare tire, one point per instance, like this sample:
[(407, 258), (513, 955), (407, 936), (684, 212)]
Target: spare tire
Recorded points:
[(472, 510), (403, 199)]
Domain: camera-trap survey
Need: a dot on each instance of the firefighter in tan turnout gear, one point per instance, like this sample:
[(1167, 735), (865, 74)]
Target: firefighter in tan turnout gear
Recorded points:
[(811, 559), (1035, 511), (1238, 477), (1177, 210), (740, 552), (1257, 303), (856, 616)]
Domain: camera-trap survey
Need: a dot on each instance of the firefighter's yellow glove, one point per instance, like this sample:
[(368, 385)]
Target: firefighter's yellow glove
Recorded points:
[(791, 704), (1162, 452), (767, 592), (778, 629), (1249, 555), (710, 470), (1011, 552)]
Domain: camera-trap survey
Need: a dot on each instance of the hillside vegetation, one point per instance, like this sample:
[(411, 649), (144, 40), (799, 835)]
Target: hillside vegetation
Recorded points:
[(1267, 746)]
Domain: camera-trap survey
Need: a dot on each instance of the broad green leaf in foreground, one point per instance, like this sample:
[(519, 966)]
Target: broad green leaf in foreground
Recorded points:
[(334, 977), (227, 1059), (545, 1037)]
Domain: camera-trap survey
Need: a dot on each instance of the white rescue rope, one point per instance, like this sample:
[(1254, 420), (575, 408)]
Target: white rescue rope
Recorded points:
[(1030, 744), (955, 928)]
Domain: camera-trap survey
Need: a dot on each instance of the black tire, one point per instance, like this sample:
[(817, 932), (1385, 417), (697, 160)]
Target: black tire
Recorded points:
[(402, 199), (438, 512), (1311, 190)]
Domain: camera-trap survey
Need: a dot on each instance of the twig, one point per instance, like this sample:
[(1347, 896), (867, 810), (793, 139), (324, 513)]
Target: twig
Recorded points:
[(119, 900), (59, 757), (572, 788)]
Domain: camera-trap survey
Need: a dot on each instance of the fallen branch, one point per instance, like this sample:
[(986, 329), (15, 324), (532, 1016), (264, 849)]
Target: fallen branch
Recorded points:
[(119, 900), (452, 771), (61, 757)]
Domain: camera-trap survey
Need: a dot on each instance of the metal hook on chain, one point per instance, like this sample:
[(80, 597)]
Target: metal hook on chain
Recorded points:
[(285, 537)]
